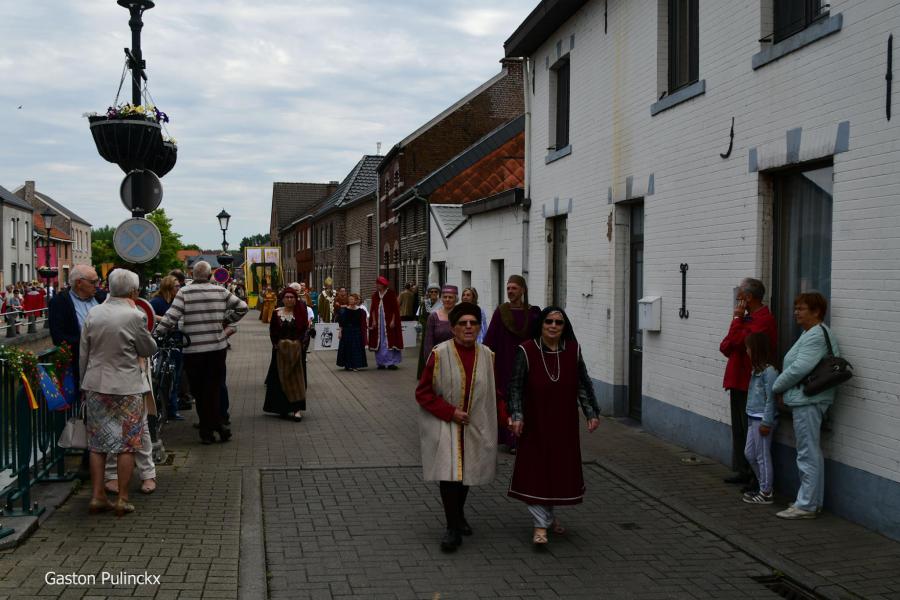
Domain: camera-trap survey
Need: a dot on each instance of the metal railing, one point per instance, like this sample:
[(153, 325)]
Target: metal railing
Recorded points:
[(28, 442), (13, 323)]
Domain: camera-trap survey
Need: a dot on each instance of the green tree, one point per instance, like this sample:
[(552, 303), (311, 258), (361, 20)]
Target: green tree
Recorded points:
[(260, 239), (102, 250), (192, 247), (167, 259)]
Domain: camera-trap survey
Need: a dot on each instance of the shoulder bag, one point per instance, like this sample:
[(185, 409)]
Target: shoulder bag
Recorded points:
[(830, 372)]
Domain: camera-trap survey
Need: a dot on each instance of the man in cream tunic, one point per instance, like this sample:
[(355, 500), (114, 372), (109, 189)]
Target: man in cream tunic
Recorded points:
[(458, 421)]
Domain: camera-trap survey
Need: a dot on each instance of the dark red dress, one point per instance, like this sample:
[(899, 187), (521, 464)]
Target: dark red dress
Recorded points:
[(548, 462)]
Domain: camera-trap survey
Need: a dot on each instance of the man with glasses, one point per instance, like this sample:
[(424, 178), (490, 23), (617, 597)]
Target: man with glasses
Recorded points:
[(69, 308), (458, 420)]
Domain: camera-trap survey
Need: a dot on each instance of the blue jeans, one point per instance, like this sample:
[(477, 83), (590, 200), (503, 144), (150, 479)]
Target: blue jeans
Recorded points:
[(810, 460)]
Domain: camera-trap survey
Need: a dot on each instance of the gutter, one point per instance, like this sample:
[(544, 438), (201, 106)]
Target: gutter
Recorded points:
[(528, 68)]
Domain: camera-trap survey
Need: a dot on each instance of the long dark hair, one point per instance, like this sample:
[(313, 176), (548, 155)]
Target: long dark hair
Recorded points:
[(537, 328), (760, 351)]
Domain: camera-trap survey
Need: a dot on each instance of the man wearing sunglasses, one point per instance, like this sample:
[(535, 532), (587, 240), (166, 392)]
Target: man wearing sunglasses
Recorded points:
[(458, 420)]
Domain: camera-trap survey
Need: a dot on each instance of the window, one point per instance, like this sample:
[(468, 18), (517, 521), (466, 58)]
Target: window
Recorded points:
[(369, 231), (12, 233), (684, 46), (498, 282), (440, 270), (27, 234), (559, 80), (465, 280), (793, 16), (802, 235), (331, 235)]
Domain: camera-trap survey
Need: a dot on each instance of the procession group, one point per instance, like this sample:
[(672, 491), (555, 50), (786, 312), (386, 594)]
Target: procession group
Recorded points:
[(517, 380)]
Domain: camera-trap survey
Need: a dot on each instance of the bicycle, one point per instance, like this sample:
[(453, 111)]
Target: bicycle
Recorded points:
[(162, 375)]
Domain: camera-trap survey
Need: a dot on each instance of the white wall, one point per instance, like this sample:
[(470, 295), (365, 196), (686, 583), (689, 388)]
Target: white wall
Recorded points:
[(479, 240), (705, 210)]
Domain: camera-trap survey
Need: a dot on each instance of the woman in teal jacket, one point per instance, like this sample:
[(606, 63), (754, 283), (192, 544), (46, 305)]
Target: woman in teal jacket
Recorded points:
[(808, 411)]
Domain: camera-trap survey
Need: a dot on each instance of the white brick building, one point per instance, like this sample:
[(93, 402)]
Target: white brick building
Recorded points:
[(642, 177)]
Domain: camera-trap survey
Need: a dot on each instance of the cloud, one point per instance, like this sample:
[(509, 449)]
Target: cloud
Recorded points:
[(257, 90)]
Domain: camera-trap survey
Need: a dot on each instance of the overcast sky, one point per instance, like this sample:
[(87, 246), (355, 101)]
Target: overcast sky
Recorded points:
[(257, 91)]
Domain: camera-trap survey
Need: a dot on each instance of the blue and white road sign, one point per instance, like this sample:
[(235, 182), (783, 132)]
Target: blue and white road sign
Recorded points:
[(137, 240)]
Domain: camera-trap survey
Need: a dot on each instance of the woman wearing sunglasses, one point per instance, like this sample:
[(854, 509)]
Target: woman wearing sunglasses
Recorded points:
[(549, 383)]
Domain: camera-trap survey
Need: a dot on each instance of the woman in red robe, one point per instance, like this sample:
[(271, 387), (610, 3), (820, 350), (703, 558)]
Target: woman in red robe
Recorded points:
[(548, 385), (385, 329)]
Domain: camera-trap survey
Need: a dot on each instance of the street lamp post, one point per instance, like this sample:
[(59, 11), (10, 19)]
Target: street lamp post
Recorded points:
[(48, 215), (224, 259), (136, 9)]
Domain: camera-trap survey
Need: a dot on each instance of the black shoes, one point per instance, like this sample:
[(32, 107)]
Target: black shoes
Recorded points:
[(451, 540), (207, 438), (224, 434), (392, 367), (381, 367)]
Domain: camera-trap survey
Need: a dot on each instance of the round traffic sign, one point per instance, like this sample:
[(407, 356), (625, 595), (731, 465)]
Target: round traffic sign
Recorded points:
[(137, 240), (221, 275), (141, 191)]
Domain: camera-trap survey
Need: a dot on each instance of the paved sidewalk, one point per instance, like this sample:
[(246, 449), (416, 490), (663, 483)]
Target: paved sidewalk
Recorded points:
[(335, 507)]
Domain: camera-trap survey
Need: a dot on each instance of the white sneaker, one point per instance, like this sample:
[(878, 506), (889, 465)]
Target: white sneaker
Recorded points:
[(792, 512)]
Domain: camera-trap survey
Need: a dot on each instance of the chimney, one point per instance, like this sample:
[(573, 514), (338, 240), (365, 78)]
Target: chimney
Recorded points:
[(29, 192)]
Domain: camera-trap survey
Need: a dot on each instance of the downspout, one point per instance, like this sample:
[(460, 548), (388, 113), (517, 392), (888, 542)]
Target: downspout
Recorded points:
[(526, 222)]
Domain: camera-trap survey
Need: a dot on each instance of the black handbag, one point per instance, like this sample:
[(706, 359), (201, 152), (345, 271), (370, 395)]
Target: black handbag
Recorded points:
[(830, 372)]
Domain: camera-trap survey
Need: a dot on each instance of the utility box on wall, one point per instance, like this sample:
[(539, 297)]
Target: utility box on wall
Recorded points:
[(649, 313)]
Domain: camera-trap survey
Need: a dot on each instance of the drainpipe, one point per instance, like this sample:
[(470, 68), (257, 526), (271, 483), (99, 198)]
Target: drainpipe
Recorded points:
[(527, 68)]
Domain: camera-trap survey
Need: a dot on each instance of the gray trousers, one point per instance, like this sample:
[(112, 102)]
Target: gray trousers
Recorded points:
[(542, 515)]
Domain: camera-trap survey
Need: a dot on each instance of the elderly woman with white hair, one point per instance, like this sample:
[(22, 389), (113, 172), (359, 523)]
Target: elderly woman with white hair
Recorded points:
[(113, 340)]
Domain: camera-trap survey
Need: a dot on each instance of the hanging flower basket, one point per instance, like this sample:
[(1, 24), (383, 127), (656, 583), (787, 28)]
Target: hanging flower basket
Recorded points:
[(47, 271), (164, 160), (130, 136)]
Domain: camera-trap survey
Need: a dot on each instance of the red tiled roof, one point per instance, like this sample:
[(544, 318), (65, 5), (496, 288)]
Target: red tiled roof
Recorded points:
[(501, 170), (54, 232)]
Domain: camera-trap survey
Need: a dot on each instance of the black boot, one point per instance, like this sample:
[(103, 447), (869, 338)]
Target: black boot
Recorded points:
[(451, 540)]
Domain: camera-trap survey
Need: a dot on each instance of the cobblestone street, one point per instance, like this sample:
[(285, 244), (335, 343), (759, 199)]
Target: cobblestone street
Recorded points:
[(335, 506)]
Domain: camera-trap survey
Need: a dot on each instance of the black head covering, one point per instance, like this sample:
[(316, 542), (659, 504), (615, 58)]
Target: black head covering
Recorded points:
[(464, 308)]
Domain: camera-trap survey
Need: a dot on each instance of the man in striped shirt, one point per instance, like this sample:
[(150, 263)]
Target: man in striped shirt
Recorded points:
[(205, 310)]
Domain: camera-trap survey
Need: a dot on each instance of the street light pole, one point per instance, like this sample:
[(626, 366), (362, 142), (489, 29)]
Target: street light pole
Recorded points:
[(224, 259), (135, 57), (48, 215)]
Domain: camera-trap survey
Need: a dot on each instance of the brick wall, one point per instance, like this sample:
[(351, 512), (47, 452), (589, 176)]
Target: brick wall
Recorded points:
[(331, 260), (497, 103), (710, 212), (358, 224)]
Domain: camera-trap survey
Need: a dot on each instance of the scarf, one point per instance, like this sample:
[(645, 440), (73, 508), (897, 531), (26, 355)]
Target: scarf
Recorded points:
[(509, 321)]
